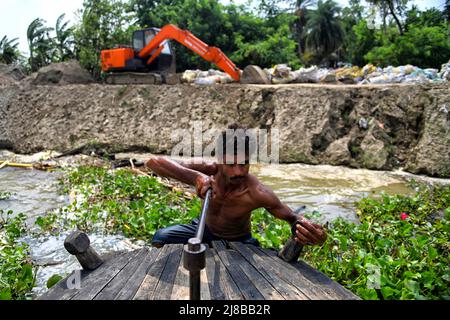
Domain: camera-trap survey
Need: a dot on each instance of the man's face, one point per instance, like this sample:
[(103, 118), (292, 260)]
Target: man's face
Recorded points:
[(234, 169)]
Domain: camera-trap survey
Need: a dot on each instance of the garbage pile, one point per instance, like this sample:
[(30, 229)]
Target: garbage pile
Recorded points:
[(369, 74), (205, 77), (282, 74)]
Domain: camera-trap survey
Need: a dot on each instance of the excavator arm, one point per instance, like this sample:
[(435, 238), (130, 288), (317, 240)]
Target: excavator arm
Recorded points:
[(186, 38)]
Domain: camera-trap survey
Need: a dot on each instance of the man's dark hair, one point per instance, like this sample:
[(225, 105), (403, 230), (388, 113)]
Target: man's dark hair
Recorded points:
[(231, 140)]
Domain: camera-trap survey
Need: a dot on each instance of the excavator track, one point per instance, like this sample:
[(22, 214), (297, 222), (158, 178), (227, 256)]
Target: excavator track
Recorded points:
[(133, 78)]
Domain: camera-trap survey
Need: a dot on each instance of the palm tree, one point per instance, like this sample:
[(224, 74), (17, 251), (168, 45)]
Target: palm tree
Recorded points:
[(324, 33), (8, 50), (301, 13), (39, 43), (64, 39)]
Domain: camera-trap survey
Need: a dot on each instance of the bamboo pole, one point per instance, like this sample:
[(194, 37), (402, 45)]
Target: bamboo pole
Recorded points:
[(38, 166)]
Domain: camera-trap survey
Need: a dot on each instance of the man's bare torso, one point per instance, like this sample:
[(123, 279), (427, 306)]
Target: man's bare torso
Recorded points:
[(229, 213)]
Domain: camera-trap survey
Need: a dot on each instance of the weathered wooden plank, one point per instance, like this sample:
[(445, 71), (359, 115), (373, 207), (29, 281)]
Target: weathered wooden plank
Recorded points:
[(287, 290), (258, 280), (133, 284), (110, 291), (148, 285), (95, 285), (216, 286), (221, 285), (326, 283), (331, 287), (165, 284), (60, 291), (290, 274), (245, 285), (205, 294), (180, 290)]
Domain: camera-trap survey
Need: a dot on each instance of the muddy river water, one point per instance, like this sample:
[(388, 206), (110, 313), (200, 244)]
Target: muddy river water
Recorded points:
[(327, 189)]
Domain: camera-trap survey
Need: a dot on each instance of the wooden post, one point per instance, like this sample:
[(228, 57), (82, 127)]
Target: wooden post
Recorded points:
[(78, 244)]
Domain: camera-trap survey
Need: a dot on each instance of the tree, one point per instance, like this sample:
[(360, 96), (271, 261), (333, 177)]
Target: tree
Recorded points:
[(324, 33), (363, 41), (8, 50), (154, 13), (301, 12), (429, 18), (275, 45), (395, 8), (103, 25), (447, 10), (64, 40), (351, 17), (39, 44), (427, 47)]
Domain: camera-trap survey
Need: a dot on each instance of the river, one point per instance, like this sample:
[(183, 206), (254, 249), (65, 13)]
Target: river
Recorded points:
[(328, 189)]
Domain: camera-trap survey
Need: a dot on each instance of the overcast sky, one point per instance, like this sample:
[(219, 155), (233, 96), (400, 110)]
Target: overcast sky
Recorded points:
[(15, 16)]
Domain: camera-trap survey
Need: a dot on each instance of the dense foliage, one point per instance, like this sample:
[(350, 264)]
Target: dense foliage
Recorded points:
[(9, 52), (261, 32), (16, 270), (119, 202)]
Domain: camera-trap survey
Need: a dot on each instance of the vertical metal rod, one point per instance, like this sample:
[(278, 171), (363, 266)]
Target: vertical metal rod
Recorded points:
[(201, 224), (194, 285), (195, 253)]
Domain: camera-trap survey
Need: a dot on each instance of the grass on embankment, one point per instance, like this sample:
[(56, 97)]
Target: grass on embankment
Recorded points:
[(384, 257)]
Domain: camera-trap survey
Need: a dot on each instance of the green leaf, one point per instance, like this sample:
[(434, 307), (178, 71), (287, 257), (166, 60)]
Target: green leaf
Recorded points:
[(5, 294), (54, 279)]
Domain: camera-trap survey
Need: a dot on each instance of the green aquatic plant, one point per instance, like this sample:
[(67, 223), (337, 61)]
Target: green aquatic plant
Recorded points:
[(399, 250), (5, 195), (17, 274), (120, 201)]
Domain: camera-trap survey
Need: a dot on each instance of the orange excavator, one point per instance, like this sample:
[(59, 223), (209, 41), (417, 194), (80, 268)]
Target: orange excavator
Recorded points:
[(152, 56)]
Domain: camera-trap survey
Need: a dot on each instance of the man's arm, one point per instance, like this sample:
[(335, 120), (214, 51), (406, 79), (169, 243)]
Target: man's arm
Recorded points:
[(306, 232), (271, 203), (171, 169), (208, 168)]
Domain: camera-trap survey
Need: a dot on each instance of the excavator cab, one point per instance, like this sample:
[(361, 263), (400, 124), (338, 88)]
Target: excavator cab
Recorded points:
[(166, 59)]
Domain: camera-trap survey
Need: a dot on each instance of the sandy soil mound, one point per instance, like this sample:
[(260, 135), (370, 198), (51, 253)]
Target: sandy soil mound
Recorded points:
[(69, 72)]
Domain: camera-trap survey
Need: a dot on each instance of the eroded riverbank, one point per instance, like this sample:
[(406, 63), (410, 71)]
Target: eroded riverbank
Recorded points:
[(381, 127)]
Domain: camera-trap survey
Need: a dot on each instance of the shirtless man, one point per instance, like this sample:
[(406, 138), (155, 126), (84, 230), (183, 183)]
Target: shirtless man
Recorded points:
[(235, 194)]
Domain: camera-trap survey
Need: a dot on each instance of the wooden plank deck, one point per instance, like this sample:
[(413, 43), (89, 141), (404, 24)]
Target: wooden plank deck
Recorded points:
[(234, 271)]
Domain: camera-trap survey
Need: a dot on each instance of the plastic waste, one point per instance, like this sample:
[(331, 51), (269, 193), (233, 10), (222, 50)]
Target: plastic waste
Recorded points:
[(346, 74), (444, 74), (363, 123), (281, 74), (205, 81), (189, 76), (306, 75)]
